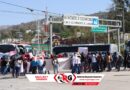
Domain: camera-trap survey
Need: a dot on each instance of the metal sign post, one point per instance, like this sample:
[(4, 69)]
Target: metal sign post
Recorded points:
[(119, 39), (108, 35), (94, 37), (86, 21), (51, 27)]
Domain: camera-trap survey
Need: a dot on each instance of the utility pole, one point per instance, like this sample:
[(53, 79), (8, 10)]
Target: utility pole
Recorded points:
[(38, 34), (94, 38), (108, 35), (38, 29), (51, 26), (119, 40), (46, 30), (121, 7), (123, 23), (46, 23)]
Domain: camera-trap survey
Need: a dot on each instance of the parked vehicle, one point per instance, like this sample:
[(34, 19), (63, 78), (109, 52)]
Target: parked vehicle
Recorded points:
[(91, 48), (25, 48), (26, 51), (9, 50)]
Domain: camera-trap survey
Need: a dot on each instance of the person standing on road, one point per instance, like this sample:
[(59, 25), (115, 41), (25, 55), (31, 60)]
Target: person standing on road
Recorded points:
[(114, 59), (104, 56), (100, 61), (17, 67), (108, 60), (74, 63), (4, 65), (55, 64), (27, 60), (83, 62), (34, 65), (125, 59), (40, 65), (128, 60), (12, 65), (89, 61), (78, 63), (119, 62), (25, 66), (94, 63)]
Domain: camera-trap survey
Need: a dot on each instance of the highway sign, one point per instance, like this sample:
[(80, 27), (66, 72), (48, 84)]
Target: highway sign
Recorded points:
[(100, 29), (56, 19), (78, 20)]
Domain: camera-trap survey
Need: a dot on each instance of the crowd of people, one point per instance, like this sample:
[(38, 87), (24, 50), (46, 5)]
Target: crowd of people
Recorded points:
[(98, 62), (80, 62), (22, 65)]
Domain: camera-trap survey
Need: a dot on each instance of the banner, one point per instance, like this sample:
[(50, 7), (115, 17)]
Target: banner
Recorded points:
[(74, 79)]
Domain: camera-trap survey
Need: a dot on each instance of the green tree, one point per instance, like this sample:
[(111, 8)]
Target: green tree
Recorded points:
[(117, 9)]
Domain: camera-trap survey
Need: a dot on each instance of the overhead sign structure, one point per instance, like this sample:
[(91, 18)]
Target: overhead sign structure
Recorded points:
[(100, 29), (77, 20), (56, 19)]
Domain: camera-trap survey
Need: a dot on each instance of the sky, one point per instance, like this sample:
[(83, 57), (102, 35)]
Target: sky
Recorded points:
[(55, 6)]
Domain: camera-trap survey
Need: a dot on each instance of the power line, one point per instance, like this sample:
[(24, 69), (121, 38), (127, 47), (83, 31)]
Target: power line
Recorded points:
[(18, 12), (30, 9), (20, 6)]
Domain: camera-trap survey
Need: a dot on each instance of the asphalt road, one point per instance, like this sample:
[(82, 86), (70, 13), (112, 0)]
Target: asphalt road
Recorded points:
[(111, 81)]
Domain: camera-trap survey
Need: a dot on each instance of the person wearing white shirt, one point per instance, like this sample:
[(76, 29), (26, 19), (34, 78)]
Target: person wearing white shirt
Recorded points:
[(78, 63), (74, 63), (94, 63)]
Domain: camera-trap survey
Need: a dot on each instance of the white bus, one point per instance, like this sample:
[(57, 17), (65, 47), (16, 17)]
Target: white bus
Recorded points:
[(91, 48)]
